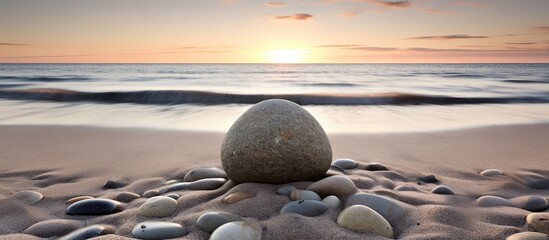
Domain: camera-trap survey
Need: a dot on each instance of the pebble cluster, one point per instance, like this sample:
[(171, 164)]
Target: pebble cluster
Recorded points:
[(358, 211)]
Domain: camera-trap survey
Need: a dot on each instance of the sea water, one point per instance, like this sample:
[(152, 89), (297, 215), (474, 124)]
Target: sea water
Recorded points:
[(345, 98)]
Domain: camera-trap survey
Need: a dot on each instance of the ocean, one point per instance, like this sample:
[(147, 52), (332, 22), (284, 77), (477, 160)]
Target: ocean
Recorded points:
[(345, 98)]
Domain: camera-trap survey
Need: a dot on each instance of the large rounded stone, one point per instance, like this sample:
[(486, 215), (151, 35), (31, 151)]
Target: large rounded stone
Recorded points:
[(238, 231), (53, 228), (276, 141), (212, 220), (159, 206), (334, 185), (539, 221), (158, 230)]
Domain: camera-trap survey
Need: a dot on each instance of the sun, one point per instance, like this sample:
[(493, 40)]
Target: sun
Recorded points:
[(286, 56)]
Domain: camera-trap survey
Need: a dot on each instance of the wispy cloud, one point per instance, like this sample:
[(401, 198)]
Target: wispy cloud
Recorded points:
[(542, 29), (446, 37), (350, 14), (275, 4), (437, 11), (392, 4), (521, 43), (338, 46), (298, 16), (374, 49), (14, 44), (469, 4)]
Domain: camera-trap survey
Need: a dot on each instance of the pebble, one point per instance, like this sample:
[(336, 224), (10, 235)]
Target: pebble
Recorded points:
[(441, 189), (113, 184), (364, 219), (332, 201), (53, 228), (286, 190), (202, 173), (539, 221), (170, 182), (532, 203), (151, 193), (375, 167), (159, 206), (345, 163), (158, 230), (79, 198), (89, 232), (235, 197), (334, 185), (538, 184), (390, 210), (175, 196), (210, 221), (202, 184), (428, 179), (238, 231), (528, 236), (492, 201), (491, 172), (309, 208), (28, 197), (298, 194), (276, 141), (126, 197), (95, 206)]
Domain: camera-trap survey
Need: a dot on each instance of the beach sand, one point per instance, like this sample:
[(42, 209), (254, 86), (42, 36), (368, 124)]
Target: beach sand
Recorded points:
[(62, 162)]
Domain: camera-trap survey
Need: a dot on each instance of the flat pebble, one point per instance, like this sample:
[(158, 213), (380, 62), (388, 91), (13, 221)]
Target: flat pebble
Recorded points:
[(158, 230), (332, 201), (89, 232), (79, 198), (170, 182), (491, 172), (126, 197), (113, 184), (334, 185), (286, 190), (210, 221), (28, 197), (95, 206), (538, 183), (345, 163), (428, 179), (238, 231), (492, 201), (298, 194), (202, 173), (364, 219), (53, 228), (151, 193), (375, 167), (159, 206), (202, 184), (309, 208), (388, 208), (539, 221), (235, 197), (528, 236), (441, 189), (532, 203)]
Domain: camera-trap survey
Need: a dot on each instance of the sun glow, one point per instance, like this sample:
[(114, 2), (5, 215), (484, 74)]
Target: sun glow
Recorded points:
[(286, 56)]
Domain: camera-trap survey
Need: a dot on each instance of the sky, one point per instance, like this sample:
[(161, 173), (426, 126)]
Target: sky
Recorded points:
[(257, 31)]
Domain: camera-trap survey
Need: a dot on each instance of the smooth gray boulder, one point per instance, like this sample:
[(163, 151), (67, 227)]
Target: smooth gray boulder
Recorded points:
[(276, 141), (388, 208), (158, 230), (89, 232), (309, 208), (53, 228), (210, 221)]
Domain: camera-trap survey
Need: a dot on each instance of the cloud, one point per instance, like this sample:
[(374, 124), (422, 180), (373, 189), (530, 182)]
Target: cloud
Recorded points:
[(521, 43), (469, 4), (14, 44), (437, 11), (375, 49), (350, 14), (275, 4), (542, 29), (338, 46), (298, 16), (446, 37), (391, 4)]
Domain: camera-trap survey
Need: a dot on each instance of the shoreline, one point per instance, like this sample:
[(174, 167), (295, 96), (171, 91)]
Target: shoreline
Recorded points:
[(62, 162)]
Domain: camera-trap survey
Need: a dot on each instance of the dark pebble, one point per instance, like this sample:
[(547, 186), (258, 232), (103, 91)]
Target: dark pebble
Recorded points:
[(428, 179), (96, 206)]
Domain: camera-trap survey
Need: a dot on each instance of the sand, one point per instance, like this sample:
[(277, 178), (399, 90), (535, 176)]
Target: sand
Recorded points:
[(62, 162)]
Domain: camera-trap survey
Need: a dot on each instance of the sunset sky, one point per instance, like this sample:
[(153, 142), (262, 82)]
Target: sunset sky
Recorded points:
[(256, 31)]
